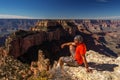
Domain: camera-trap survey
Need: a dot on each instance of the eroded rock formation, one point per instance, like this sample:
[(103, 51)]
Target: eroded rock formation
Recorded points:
[(19, 42), (50, 34)]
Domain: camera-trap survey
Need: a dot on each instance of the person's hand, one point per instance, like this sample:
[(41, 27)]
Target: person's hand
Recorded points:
[(62, 46), (89, 70)]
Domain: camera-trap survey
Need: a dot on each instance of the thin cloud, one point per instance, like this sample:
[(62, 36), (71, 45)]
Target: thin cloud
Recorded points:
[(102, 1), (102, 17), (107, 17), (6, 16)]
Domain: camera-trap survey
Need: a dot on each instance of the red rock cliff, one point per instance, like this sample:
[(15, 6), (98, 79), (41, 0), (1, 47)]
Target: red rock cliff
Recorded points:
[(19, 42)]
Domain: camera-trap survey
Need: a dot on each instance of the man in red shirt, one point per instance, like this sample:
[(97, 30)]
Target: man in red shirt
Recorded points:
[(78, 51)]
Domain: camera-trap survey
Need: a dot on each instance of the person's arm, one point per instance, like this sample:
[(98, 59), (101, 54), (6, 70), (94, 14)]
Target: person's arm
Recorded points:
[(85, 63), (67, 44)]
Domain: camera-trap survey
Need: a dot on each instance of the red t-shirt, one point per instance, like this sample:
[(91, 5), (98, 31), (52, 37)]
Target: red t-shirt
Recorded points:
[(80, 50)]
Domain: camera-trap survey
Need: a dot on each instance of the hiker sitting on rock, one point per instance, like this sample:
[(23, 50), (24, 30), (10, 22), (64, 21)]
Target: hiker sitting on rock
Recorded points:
[(77, 50)]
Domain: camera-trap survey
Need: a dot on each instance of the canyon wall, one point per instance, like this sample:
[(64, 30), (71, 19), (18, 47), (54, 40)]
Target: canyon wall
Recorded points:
[(20, 42)]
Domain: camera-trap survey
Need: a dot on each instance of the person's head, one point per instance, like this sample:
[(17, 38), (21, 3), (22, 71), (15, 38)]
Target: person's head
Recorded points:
[(78, 39)]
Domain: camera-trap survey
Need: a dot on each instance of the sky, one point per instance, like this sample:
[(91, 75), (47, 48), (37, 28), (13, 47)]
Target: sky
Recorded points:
[(60, 9)]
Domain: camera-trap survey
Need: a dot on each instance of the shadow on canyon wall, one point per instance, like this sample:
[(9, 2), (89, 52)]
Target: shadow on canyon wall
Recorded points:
[(53, 51)]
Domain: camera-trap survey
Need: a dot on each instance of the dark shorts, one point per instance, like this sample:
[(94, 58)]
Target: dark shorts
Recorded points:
[(70, 61)]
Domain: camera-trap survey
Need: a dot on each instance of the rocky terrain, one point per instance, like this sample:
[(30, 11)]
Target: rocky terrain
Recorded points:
[(12, 69), (104, 68), (100, 36)]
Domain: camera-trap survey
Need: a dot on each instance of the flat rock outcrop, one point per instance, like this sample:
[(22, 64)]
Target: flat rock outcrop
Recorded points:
[(104, 68)]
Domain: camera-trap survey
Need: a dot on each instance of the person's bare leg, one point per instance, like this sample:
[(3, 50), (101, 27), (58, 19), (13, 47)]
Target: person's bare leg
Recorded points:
[(61, 63), (72, 50)]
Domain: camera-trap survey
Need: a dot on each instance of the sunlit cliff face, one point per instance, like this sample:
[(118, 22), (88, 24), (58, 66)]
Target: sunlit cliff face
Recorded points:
[(28, 43)]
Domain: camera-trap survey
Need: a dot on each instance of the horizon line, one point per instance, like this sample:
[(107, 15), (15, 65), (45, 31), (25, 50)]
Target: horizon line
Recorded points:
[(7, 16)]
